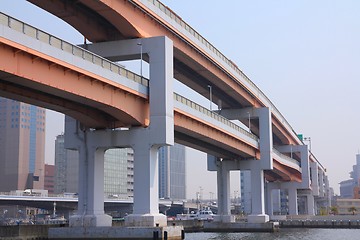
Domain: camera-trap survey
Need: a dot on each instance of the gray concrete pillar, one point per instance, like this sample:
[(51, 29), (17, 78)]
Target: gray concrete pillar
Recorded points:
[(91, 185), (310, 204), (293, 204), (314, 178), (269, 203), (223, 186), (257, 196), (321, 184)]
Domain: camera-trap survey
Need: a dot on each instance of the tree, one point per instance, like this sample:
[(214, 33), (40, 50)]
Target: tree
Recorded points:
[(334, 210), (352, 209)]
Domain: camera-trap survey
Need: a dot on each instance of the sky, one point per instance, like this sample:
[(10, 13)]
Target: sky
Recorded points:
[(304, 55)]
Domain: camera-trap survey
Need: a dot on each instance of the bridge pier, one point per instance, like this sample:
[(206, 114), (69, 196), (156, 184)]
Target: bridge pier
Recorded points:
[(146, 192), (91, 176), (223, 182), (293, 203), (256, 167), (257, 196), (305, 185), (144, 141)]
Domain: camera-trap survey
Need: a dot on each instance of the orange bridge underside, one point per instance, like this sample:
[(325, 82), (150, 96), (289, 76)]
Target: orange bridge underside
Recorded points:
[(38, 79), (205, 137), (283, 173)]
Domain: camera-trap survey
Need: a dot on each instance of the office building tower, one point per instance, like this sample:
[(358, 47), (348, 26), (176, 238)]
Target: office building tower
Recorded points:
[(49, 178), (351, 188), (119, 173), (172, 178), (66, 168), (22, 148), (245, 188)]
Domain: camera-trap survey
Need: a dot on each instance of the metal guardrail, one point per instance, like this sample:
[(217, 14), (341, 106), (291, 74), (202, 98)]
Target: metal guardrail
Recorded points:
[(70, 48), (213, 115), (230, 63), (287, 158)]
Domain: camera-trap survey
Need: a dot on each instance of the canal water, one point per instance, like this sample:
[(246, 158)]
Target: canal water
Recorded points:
[(283, 234)]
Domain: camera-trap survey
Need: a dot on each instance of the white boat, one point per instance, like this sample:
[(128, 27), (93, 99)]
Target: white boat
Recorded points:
[(203, 214)]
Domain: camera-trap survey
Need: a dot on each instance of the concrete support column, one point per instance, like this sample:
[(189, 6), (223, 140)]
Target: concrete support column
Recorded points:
[(327, 192), (223, 186), (269, 203), (314, 178), (257, 196), (293, 204), (321, 184), (91, 186), (310, 204), (146, 190)]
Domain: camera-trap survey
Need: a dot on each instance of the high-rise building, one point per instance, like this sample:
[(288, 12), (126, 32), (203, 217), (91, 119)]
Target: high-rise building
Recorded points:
[(49, 178), (66, 167), (22, 148), (118, 170), (172, 178), (350, 188), (245, 188)]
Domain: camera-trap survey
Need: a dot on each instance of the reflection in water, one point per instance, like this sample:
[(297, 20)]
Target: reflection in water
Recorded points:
[(284, 234)]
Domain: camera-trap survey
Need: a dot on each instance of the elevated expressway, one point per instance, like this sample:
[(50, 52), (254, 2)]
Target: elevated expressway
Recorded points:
[(102, 95), (73, 89)]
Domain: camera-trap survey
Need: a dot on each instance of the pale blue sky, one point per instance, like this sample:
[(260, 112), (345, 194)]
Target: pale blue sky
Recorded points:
[(304, 55)]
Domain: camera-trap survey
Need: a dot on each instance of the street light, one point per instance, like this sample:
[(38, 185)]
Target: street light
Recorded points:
[(141, 57), (210, 92), (309, 140)]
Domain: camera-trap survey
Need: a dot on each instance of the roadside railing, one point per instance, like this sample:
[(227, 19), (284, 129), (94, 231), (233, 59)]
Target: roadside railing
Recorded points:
[(70, 48), (205, 43), (213, 115)]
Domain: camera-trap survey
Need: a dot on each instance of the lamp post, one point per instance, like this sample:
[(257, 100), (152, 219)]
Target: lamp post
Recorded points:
[(141, 57), (210, 93), (309, 140)]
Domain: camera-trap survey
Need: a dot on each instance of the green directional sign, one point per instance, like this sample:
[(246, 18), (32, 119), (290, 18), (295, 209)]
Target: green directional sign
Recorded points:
[(300, 136)]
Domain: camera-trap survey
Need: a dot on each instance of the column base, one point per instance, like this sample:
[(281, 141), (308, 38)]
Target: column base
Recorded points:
[(146, 220), (100, 220), (261, 218), (224, 218)]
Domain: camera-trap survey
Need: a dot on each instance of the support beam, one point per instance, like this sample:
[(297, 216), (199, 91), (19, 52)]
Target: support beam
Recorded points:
[(257, 195), (314, 178), (223, 186), (265, 126), (91, 185), (293, 204), (310, 204)]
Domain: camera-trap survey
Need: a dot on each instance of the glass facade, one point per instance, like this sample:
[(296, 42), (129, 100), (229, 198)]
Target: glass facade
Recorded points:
[(60, 165), (118, 180), (245, 187), (172, 177)]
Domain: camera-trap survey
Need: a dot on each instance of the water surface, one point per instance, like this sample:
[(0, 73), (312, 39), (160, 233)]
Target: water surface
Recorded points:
[(284, 234)]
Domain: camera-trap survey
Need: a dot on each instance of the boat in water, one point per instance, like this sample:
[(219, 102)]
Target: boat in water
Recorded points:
[(203, 214)]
